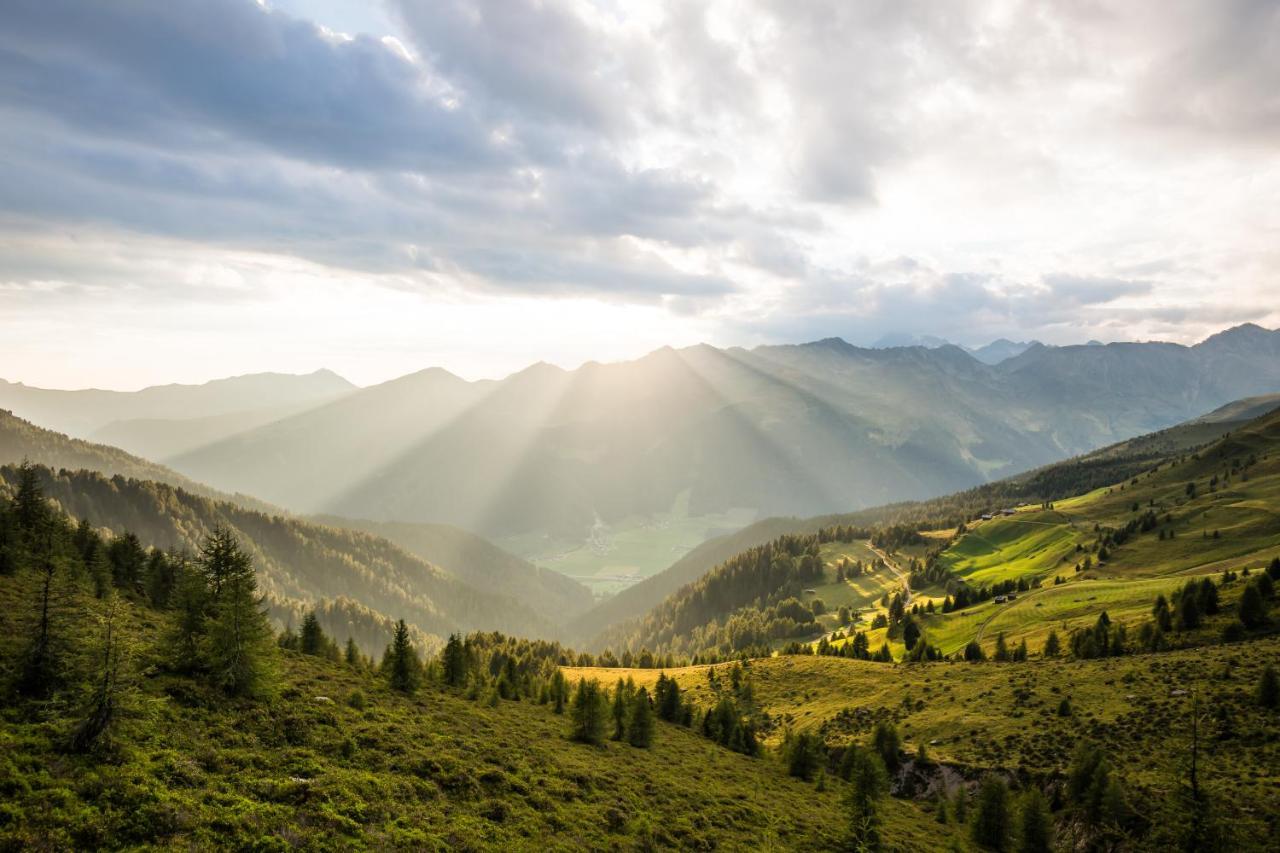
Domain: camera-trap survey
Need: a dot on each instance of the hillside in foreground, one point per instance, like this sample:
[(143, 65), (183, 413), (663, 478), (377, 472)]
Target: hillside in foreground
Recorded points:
[(336, 760)]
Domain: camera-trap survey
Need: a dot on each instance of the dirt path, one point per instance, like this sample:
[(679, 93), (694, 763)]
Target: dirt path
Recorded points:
[(893, 567), (1017, 602)]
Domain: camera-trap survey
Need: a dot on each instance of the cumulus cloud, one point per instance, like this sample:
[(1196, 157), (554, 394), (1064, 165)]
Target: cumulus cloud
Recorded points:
[(779, 169)]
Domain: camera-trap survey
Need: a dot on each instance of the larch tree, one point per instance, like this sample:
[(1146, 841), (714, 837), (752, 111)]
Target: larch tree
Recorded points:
[(589, 712), (868, 783), (240, 649), (991, 823), (640, 728)]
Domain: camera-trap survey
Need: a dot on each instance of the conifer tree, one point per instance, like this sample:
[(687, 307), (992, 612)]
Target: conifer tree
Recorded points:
[(455, 661), (110, 682), (1052, 645), (161, 578), (640, 728), (402, 667), (1002, 649), (589, 713), (128, 562), (868, 783), (1268, 690), (991, 814), (99, 570), (559, 691), (311, 639), (352, 655), (240, 649), (43, 668), (29, 506), (1035, 824), (183, 644), (887, 744), (1252, 610), (619, 711)]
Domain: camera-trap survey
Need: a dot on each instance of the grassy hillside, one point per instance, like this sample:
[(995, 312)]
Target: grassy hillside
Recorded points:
[(972, 717), (337, 760)]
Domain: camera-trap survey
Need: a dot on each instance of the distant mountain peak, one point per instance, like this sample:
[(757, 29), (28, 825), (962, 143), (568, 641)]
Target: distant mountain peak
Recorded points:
[(1001, 349), (894, 340)]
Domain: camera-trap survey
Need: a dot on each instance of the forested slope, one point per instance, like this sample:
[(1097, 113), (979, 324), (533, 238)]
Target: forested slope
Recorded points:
[(357, 576)]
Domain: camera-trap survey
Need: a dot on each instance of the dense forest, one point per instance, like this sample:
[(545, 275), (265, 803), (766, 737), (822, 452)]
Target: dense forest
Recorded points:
[(354, 579), (745, 603)]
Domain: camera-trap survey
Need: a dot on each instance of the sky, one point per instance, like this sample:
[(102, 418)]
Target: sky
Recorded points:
[(192, 189)]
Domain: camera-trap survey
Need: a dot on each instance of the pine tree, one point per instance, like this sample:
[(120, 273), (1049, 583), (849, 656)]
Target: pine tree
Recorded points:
[(183, 644), (221, 559), (1052, 646), (128, 562), (455, 661), (311, 639), (640, 729), (619, 711), (402, 667), (1002, 650), (43, 667), (1035, 824), (352, 656), (240, 647), (559, 691), (803, 754), (111, 683), (99, 569), (887, 744), (589, 713), (1252, 610), (868, 783), (29, 506), (991, 814), (161, 578), (1268, 690)]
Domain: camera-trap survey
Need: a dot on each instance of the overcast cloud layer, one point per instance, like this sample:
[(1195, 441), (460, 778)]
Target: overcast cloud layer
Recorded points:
[(243, 185)]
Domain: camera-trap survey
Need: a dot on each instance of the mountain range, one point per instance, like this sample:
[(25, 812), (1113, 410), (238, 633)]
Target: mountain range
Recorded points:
[(800, 429), (805, 429)]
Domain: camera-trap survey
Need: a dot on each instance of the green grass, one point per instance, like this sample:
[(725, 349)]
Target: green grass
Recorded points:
[(1006, 715), (192, 769), (1038, 545), (1028, 545)]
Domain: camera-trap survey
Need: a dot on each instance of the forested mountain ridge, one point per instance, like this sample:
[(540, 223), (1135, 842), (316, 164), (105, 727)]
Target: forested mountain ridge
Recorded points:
[(481, 564), (359, 582), (787, 430), (20, 439), (464, 555)]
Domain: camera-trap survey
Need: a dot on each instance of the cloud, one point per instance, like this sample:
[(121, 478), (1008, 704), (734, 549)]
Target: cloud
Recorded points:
[(1093, 290), (968, 169)]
